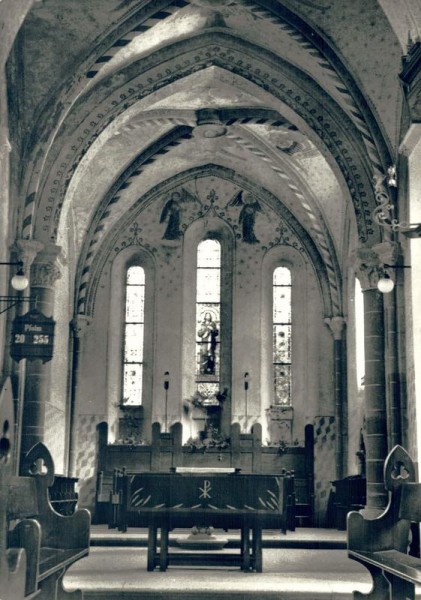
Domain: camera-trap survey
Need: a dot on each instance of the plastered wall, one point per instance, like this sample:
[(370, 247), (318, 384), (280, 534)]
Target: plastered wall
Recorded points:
[(247, 283)]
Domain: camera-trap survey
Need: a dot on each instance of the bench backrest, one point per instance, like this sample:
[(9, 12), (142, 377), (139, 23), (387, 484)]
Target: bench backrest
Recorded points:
[(410, 502), (399, 479), (28, 495), (23, 498)]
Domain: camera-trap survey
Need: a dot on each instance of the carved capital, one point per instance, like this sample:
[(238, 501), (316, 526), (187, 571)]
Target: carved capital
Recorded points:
[(369, 263), (47, 267), (26, 251), (79, 325), (44, 275), (336, 326), (388, 252)]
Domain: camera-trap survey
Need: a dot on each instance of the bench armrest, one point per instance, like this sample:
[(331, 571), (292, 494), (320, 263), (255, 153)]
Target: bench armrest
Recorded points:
[(27, 535), (66, 532), (14, 574), (385, 532)]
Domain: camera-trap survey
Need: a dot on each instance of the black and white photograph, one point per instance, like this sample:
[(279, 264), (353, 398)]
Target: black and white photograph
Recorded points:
[(210, 292)]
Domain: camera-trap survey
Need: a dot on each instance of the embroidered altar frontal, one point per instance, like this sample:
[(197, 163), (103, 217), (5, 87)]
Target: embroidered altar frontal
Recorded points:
[(220, 500)]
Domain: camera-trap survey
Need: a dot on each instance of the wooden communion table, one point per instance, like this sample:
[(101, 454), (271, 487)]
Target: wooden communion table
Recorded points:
[(220, 498)]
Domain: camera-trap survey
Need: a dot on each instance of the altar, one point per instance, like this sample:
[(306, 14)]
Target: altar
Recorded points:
[(221, 498)]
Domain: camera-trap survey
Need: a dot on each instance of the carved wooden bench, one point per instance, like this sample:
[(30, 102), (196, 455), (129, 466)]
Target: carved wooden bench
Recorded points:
[(381, 544), (52, 541), (12, 560)]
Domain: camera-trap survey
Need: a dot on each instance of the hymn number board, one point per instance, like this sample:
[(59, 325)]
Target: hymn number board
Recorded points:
[(32, 336)]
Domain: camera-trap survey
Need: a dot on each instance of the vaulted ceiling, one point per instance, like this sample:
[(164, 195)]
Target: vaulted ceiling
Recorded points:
[(114, 99)]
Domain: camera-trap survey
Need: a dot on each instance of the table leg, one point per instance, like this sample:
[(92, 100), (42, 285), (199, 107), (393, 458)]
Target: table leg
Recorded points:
[(245, 546), (399, 588), (163, 554), (257, 548), (152, 535)]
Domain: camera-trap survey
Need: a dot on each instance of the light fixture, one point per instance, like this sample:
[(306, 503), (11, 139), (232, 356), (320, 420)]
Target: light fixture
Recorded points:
[(246, 387), (391, 176), (383, 214), (166, 388), (385, 283), (166, 380), (19, 281)]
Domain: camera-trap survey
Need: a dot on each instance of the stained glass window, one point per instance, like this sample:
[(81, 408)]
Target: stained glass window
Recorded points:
[(133, 335), (281, 324), (208, 309)]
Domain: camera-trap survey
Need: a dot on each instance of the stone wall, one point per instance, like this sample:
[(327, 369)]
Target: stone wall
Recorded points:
[(209, 210)]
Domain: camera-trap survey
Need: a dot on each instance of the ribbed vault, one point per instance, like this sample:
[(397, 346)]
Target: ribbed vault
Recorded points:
[(268, 91)]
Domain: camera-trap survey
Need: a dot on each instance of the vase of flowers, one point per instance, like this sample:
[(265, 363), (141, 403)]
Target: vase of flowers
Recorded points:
[(211, 407)]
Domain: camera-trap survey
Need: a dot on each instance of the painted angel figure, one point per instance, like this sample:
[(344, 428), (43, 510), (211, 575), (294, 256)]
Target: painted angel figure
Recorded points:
[(171, 213), (247, 217)]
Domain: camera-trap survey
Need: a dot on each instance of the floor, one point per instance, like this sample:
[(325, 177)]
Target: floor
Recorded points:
[(302, 537), (118, 572)]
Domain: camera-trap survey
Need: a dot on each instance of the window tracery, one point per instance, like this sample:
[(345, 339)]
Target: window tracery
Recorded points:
[(282, 335), (134, 335), (208, 319)]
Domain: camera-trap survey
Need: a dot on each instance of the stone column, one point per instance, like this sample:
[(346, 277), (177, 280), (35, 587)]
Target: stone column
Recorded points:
[(26, 251), (410, 211), (369, 269), (78, 326), (336, 325), (44, 273), (389, 254)]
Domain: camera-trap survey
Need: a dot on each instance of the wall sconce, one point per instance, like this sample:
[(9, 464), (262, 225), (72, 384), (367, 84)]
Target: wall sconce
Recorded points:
[(385, 283), (19, 281), (383, 214), (246, 387), (166, 388), (391, 177), (166, 380)]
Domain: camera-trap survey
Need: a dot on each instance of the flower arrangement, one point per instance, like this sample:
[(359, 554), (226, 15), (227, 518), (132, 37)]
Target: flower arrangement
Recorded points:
[(130, 440), (198, 401), (210, 438), (130, 425), (282, 446)]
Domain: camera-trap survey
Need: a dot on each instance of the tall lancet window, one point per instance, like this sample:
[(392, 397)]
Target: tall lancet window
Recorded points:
[(134, 335), (282, 336), (208, 319)]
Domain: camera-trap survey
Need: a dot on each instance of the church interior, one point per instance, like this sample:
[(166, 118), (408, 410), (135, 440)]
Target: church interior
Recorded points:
[(210, 263)]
